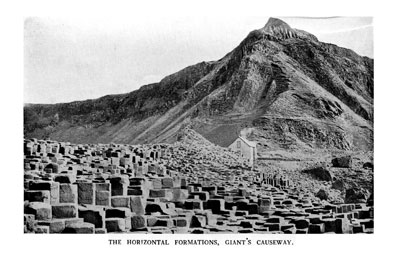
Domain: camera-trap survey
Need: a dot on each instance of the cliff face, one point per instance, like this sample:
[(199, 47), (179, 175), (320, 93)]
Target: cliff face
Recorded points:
[(280, 87)]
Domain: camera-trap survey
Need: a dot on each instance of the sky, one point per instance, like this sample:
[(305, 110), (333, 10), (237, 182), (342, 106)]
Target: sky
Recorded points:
[(77, 59)]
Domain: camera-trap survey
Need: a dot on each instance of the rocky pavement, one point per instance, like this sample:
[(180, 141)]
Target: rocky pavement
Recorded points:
[(178, 188)]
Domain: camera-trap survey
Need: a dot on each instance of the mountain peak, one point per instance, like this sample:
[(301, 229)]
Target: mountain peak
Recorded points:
[(274, 23), (278, 29)]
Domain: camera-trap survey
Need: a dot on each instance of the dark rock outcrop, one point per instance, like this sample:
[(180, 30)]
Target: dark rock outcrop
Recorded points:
[(319, 173), (356, 195), (342, 162), (368, 165), (322, 194), (338, 185)]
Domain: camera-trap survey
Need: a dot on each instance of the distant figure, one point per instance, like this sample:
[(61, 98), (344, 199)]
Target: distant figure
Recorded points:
[(246, 148)]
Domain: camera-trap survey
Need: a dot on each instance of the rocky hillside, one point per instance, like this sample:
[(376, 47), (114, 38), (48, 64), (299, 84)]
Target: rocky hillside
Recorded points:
[(280, 87)]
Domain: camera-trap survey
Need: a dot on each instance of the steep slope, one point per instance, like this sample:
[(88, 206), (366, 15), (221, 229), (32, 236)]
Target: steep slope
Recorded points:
[(280, 87)]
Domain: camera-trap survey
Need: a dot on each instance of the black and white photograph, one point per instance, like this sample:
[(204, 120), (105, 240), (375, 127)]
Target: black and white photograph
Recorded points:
[(275, 136), (229, 130)]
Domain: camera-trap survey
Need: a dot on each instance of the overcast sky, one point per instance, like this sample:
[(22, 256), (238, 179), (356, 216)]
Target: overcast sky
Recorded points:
[(68, 60)]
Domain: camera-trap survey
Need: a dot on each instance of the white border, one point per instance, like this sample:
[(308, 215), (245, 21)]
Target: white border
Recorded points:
[(383, 243)]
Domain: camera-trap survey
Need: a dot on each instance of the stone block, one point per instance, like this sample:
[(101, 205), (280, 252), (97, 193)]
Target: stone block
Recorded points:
[(68, 193), (53, 187), (120, 201), (29, 222), (37, 196), (42, 229), (118, 213), (65, 211), (69, 221), (179, 194), (193, 204), (100, 231), (138, 222), (200, 231), (265, 204), (273, 226), (242, 204), (115, 225), (198, 221), (212, 190), (181, 222), (41, 211), (135, 181), (55, 225), (203, 195), (128, 223), (136, 191), (358, 229), (156, 183), (93, 215), (51, 168), (137, 205), (151, 220), (160, 207), (184, 183), (348, 208), (103, 186), (302, 231), (119, 185), (216, 205), (276, 219), (161, 222), (342, 226), (291, 230), (157, 193), (103, 198), (288, 203), (301, 223), (316, 228), (212, 219), (167, 183), (330, 224), (86, 193), (65, 178), (315, 219), (288, 226), (177, 181), (365, 214), (161, 193), (252, 208), (243, 192), (368, 223), (246, 224), (79, 228)]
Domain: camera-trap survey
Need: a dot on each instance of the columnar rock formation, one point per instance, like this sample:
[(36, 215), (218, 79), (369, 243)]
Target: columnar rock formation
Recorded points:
[(169, 189)]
